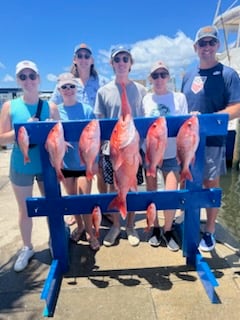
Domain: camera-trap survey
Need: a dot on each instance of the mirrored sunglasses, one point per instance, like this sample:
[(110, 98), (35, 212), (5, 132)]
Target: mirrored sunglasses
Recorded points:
[(162, 75), (125, 59), (83, 56), (203, 43), (31, 76), (68, 86)]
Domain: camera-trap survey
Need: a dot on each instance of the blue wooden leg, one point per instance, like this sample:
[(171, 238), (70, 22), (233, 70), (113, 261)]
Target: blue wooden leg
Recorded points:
[(207, 278), (51, 288)]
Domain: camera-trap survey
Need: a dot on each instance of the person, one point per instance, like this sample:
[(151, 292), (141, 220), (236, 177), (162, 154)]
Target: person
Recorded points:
[(164, 102), (87, 80), (22, 176), (108, 105), (211, 88), (75, 174)]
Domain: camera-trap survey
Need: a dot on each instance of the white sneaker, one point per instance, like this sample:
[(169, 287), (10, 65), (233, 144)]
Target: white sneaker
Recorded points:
[(24, 256), (133, 237)]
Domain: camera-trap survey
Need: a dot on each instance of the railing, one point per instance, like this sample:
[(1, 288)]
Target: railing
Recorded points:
[(191, 199)]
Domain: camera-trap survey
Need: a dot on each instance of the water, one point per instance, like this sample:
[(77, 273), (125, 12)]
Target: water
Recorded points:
[(229, 213)]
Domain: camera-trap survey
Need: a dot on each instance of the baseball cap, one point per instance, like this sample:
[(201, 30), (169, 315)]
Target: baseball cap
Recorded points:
[(157, 65), (208, 31), (66, 78), (119, 49), (82, 46), (26, 64)]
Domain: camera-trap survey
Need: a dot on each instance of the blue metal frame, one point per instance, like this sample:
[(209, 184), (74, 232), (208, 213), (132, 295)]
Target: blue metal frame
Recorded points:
[(191, 199)]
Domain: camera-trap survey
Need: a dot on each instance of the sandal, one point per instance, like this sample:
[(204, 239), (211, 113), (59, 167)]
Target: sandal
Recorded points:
[(94, 244), (77, 235), (71, 221)]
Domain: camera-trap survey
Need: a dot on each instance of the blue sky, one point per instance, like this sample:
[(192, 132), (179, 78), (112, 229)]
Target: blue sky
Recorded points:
[(47, 32)]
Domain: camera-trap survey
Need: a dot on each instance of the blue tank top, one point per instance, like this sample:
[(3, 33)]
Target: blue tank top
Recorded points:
[(20, 112)]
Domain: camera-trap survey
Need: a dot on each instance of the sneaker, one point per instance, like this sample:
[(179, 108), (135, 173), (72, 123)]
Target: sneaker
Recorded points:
[(111, 236), (168, 237), (155, 239), (133, 237), (208, 242), (24, 256)]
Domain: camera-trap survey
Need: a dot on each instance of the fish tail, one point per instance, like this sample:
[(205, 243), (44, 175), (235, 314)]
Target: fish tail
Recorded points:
[(120, 204), (186, 175), (26, 159), (60, 176), (151, 172)]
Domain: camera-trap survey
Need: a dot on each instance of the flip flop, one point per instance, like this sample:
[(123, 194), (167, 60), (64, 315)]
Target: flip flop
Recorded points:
[(77, 235), (94, 244)]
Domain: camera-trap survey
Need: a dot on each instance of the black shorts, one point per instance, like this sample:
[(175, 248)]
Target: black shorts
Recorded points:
[(73, 173), (107, 170)]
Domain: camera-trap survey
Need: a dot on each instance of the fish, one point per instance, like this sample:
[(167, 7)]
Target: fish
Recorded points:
[(187, 141), (56, 146), (23, 142), (126, 108), (125, 157), (156, 143), (151, 214), (89, 147), (96, 219)]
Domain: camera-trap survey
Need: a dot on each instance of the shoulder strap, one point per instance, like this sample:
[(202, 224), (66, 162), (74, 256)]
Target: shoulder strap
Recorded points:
[(39, 109)]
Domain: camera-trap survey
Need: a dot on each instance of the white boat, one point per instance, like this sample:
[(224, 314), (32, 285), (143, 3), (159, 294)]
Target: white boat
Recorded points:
[(228, 24), (227, 20)]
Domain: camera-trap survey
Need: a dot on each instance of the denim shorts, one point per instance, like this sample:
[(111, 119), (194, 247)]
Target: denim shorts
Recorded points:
[(24, 180), (215, 162), (170, 165)]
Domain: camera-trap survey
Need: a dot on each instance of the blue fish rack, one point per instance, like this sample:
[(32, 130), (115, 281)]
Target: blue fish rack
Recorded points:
[(54, 206)]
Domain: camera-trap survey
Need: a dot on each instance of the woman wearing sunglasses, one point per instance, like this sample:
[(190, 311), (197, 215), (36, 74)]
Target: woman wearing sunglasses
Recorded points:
[(87, 83), (74, 173), (22, 175), (163, 102), (87, 79)]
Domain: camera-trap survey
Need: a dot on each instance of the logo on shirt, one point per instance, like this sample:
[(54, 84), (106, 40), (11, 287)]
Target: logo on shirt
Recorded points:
[(198, 84), (160, 110)]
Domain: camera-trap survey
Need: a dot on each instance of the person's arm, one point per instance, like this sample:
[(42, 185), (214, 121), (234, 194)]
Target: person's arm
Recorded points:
[(54, 113), (7, 133), (233, 111)]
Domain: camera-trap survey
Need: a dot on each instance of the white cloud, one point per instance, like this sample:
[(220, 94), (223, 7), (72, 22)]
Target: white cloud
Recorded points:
[(176, 52), (8, 78), (51, 77)]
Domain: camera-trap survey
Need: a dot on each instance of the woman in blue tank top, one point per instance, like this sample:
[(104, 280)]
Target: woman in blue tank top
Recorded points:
[(22, 172)]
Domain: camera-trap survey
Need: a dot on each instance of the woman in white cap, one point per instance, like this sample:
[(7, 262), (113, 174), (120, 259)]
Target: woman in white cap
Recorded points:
[(22, 176), (163, 102), (75, 173), (87, 83)]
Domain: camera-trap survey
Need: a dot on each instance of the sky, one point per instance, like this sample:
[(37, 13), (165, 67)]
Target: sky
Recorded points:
[(47, 31)]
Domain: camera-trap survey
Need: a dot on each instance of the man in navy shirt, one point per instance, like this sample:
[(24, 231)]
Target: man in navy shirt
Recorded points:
[(211, 87)]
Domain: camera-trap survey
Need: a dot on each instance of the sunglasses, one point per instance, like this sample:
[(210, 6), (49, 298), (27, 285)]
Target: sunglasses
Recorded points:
[(162, 75), (31, 76), (68, 86), (118, 59), (83, 56), (204, 43)]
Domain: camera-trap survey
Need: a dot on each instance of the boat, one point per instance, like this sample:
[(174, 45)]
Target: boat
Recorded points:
[(227, 22)]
